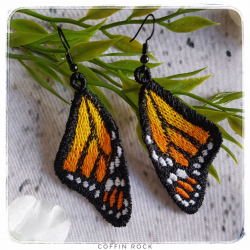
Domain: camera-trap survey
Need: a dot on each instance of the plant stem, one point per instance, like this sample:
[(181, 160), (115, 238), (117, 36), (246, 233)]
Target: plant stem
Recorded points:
[(111, 25), (44, 49), (117, 91), (103, 66), (107, 26), (38, 59), (203, 107), (107, 77), (58, 69), (206, 101), (53, 19), (107, 65), (53, 25)]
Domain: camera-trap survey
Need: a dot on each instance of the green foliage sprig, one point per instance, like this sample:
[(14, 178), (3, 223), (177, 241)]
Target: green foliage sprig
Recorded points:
[(50, 60)]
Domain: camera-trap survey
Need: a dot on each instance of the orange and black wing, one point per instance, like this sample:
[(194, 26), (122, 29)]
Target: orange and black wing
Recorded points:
[(182, 144), (91, 160)]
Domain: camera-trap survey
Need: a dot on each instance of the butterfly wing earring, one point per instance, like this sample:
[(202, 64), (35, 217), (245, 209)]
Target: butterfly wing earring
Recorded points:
[(90, 159), (181, 143)]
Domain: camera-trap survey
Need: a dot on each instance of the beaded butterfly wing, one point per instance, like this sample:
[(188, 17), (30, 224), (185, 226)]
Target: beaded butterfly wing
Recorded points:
[(91, 160), (182, 144)]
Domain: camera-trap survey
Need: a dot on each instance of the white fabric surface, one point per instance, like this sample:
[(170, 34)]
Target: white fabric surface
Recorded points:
[(36, 221), (36, 123)]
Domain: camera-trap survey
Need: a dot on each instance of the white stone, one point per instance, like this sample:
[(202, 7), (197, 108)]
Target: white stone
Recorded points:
[(113, 135), (97, 193), (192, 202), (124, 211), (169, 181), (148, 140), (117, 161), (196, 172), (197, 165), (85, 184), (109, 184), (125, 202), (78, 180), (162, 162), (178, 197), (181, 173), (70, 177), (119, 151), (210, 145), (155, 156), (185, 203), (204, 153), (200, 159), (118, 215), (173, 177), (92, 187)]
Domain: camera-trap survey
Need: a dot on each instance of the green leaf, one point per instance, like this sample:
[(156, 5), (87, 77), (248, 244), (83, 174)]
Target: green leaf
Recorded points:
[(142, 11), (226, 97), (237, 125), (89, 74), (131, 65), (27, 26), (213, 172), (19, 38), (48, 71), (129, 84), (181, 85), (188, 24), (95, 90), (229, 137), (41, 81), (139, 135), (184, 11), (73, 37), (186, 74), (121, 54), (125, 45), (214, 115), (229, 152), (87, 51), (99, 12)]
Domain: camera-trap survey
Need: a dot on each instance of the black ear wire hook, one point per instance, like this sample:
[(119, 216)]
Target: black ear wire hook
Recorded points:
[(63, 39), (73, 67), (142, 26), (144, 58)]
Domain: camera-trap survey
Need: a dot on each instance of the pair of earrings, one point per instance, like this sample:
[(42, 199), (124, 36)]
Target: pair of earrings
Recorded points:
[(181, 144)]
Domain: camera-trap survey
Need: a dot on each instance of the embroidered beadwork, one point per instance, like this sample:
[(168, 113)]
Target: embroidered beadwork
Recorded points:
[(87, 151), (175, 133)]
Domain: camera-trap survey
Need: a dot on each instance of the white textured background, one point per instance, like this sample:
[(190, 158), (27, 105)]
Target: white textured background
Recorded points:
[(36, 123)]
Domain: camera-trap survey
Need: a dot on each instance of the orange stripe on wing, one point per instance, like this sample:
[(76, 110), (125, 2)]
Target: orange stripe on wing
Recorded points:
[(157, 130), (105, 197), (120, 200), (159, 137), (181, 192), (89, 161), (102, 134), (186, 186), (191, 180), (112, 198), (101, 170), (81, 136), (179, 158), (174, 118), (181, 142)]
